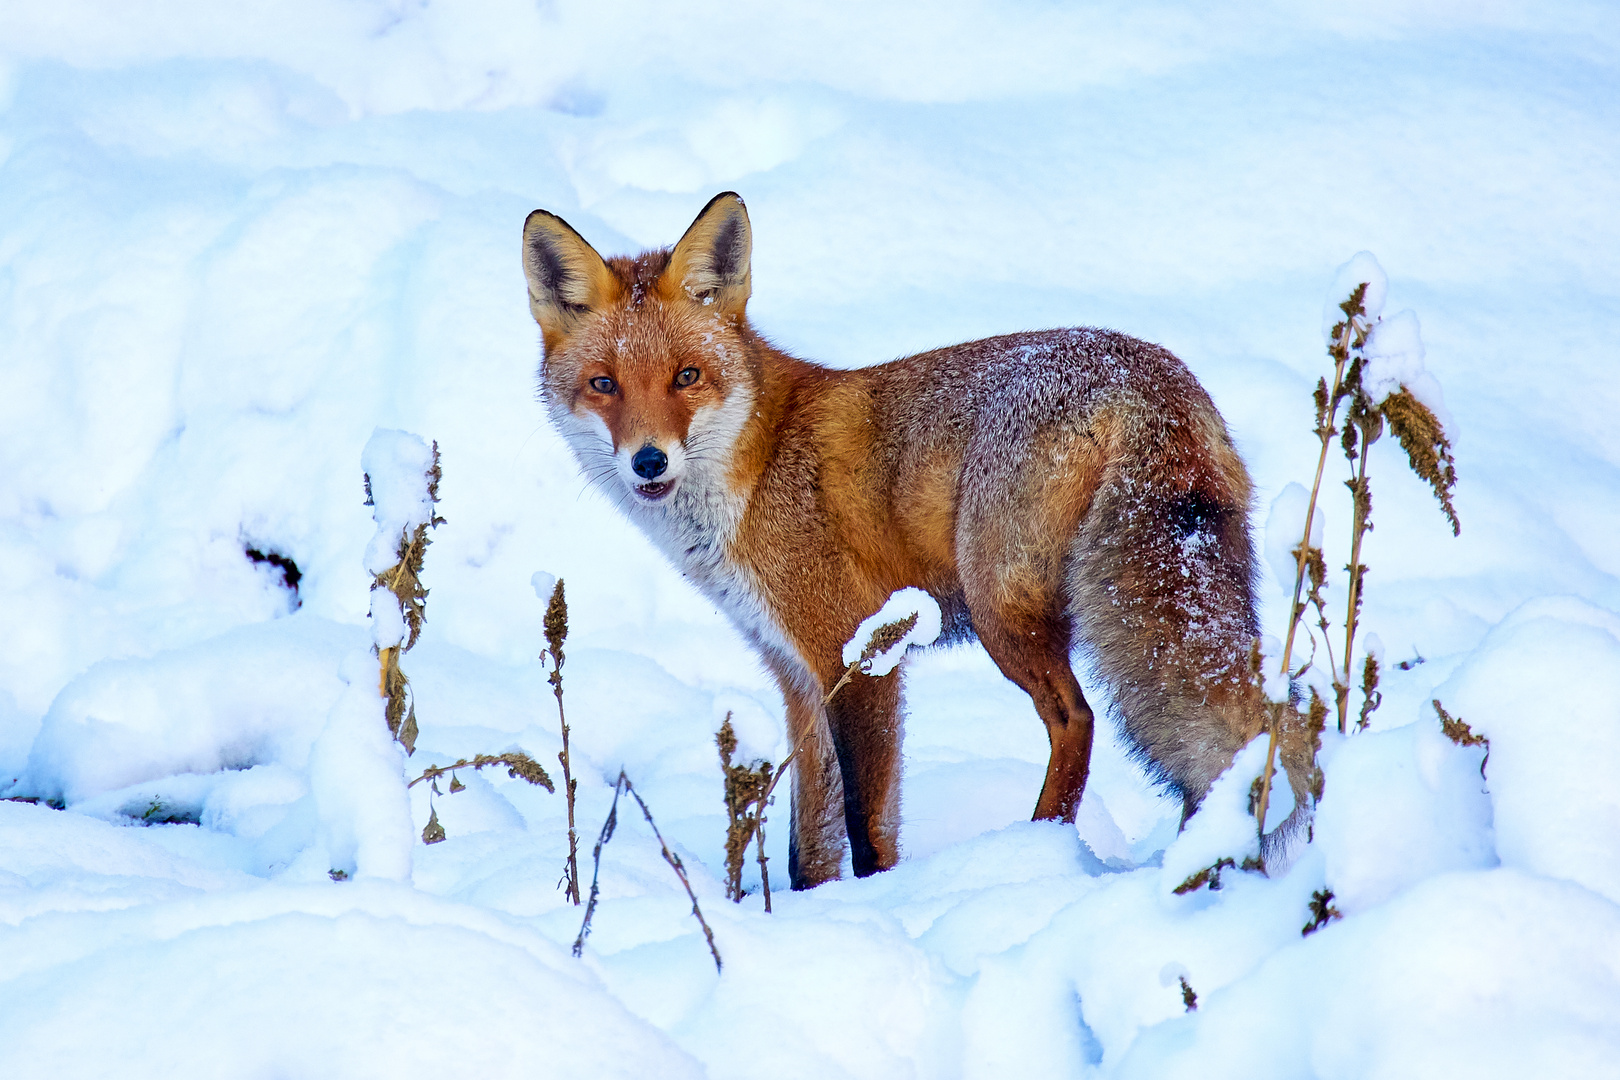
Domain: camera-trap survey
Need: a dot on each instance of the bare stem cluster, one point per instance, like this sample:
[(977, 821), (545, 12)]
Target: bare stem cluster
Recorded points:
[(1428, 451)]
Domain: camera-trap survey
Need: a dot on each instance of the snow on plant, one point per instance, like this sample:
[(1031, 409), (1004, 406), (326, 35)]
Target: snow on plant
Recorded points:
[(878, 655), (402, 486), (1378, 380), (908, 617)]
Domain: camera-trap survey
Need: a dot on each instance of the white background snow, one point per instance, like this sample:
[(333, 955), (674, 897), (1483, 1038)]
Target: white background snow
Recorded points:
[(235, 240)]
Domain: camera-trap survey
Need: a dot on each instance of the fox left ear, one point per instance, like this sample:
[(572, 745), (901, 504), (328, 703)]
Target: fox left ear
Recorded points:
[(567, 278), (710, 264)]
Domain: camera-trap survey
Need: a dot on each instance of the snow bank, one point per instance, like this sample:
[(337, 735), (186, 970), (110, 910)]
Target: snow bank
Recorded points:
[(256, 695), (1472, 974), (372, 983), (1399, 807), (1544, 687)]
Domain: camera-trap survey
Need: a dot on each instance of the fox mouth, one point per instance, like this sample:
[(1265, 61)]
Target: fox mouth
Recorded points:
[(655, 490)]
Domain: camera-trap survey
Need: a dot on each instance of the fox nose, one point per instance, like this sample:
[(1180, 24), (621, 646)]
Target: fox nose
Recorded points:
[(649, 463)]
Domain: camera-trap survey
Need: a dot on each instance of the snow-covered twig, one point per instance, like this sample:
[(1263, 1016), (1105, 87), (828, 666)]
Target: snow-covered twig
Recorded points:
[(402, 485)]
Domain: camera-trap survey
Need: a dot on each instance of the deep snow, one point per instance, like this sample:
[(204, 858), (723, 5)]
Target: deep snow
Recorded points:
[(236, 241)]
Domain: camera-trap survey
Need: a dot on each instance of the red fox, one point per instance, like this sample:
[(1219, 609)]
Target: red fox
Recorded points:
[(1060, 493)]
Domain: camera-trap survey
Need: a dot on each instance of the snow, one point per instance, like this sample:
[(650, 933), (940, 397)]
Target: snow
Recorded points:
[(1394, 352), (246, 249), (1544, 687), (1285, 528), (901, 605)]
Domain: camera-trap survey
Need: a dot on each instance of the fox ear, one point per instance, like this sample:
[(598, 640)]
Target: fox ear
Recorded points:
[(567, 278), (710, 264)]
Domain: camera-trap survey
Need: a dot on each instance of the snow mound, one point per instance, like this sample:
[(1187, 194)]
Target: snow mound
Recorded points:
[(255, 695), (1285, 527), (1544, 687)]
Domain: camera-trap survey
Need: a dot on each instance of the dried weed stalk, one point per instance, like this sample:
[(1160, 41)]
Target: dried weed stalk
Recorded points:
[(556, 634), (1458, 731), (404, 581), (519, 766), (1428, 451), (623, 785), (746, 786)]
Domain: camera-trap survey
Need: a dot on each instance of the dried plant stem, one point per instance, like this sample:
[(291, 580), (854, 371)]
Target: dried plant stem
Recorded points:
[(675, 864), (556, 634), (759, 852), (596, 865), (403, 580), (519, 766), (1360, 522), (1349, 334), (623, 785), (569, 786), (745, 784)]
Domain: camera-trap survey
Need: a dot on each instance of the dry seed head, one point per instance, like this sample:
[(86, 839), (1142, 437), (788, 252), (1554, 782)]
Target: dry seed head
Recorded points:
[(557, 623), (1455, 729), (726, 740), (1427, 448), (1371, 698)]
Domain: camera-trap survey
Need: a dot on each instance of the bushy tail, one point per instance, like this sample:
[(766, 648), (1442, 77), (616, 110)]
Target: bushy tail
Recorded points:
[(1162, 596)]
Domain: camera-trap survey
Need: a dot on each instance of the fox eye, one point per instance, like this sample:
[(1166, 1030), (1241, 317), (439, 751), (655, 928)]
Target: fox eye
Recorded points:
[(686, 376), (603, 385)]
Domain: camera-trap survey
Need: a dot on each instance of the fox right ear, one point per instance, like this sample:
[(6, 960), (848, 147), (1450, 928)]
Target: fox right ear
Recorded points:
[(567, 278), (710, 264)]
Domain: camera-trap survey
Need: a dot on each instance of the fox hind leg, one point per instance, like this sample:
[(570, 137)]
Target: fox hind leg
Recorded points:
[(1033, 651)]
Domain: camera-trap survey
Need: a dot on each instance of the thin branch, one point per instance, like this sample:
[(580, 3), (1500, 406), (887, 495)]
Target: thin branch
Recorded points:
[(675, 864), (596, 869), (622, 784), (519, 766)]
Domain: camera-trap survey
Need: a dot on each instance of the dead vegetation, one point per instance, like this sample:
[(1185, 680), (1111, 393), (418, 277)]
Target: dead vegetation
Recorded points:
[(404, 581)]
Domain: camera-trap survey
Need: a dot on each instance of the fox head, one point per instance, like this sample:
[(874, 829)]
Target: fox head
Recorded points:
[(646, 368)]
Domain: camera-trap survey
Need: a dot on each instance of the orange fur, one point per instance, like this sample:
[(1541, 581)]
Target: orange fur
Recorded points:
[(1057, 491)]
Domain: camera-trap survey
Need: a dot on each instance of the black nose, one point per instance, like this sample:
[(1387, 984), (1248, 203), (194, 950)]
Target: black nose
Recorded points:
[(649, 463)]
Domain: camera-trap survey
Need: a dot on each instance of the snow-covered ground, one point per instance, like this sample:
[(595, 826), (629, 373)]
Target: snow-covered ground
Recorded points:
[(235, 240)]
